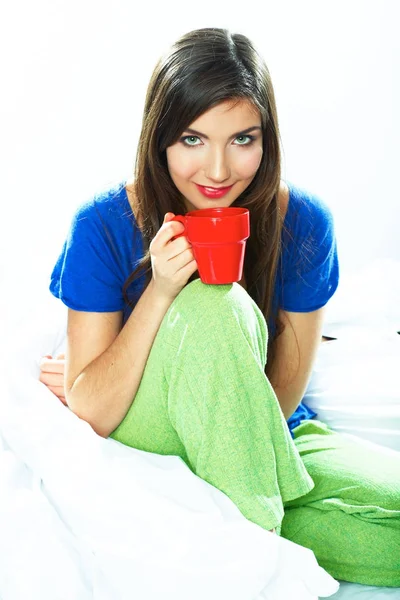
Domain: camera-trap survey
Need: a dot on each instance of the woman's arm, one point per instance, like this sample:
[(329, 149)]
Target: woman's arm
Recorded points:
[(105, 363), (296, 349)]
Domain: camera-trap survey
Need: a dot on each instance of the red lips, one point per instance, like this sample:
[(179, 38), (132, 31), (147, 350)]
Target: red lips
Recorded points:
[(210, 192)]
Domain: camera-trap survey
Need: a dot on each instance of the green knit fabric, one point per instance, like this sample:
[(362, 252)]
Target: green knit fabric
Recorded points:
[(351, 519), (204, 397)]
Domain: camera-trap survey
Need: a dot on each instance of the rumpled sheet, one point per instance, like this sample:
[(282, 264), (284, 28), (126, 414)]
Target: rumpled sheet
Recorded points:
[(83, 517)]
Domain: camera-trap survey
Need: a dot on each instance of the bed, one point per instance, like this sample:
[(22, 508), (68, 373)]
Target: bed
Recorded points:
[(82, 517)]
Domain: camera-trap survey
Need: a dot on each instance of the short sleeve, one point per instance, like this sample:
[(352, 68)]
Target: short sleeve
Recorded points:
[(86, 276), (310, 268)]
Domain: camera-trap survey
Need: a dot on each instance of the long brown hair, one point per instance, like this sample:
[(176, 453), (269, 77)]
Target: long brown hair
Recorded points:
[(202, 69)]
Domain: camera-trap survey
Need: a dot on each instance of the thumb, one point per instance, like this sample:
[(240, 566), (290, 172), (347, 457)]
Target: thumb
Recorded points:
[(168, 217)]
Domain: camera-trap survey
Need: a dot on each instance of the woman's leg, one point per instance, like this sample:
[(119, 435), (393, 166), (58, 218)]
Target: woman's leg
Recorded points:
[(204, 396), (351, 519)]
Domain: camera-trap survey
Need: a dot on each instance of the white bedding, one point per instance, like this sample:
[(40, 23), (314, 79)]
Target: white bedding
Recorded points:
[(82, 517), (353, 591)]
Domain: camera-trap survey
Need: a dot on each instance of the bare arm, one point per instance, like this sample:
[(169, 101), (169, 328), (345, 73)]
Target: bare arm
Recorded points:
[(105, 363), (296, 349), (106, 385)]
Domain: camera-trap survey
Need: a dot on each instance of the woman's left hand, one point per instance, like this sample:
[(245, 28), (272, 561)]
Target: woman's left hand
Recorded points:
[(52, 375)]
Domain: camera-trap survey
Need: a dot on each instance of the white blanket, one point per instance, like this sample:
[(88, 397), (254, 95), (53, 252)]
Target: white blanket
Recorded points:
[(83, 517)]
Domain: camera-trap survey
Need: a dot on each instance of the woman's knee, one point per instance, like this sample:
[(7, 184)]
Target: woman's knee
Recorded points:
[(205, 313), (210, 300), (196, 293), (199, 304)]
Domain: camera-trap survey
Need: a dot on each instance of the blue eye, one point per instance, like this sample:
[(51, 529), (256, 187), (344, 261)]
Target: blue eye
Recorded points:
[(250, 139), (186, 139), (190, 140)]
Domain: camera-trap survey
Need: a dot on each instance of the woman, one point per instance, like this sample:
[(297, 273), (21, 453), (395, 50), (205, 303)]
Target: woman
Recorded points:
[(161, 362)]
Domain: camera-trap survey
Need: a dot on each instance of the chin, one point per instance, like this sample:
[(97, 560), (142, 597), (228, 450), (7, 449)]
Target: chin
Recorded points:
[(203, 202), (208, 203)]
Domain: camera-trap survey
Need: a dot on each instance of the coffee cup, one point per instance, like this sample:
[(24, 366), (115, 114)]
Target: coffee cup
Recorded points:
[(218, 238)]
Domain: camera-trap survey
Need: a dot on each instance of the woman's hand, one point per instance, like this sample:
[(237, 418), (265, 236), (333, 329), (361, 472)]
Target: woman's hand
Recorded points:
[(52, 375), (172, 260)]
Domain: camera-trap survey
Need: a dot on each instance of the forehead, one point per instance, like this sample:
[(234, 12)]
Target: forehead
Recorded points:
[(228, 116)]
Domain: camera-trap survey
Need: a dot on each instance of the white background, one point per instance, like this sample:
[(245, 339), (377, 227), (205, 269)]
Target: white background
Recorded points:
[(74, 79)]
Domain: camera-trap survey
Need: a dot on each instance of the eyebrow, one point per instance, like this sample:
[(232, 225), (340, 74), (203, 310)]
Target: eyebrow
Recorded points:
[(243, 132)]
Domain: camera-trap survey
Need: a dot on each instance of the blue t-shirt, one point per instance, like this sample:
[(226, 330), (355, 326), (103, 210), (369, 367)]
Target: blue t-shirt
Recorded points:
[(104, 245)]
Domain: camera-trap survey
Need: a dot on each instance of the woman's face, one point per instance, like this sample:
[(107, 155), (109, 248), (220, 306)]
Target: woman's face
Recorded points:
[(222, 148)]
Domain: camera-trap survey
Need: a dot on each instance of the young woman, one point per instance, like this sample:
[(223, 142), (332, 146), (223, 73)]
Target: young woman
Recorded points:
[(164, 363)]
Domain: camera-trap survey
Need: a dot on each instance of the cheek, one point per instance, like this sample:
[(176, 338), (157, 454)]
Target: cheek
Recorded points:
[(182, 164), (248, 163)]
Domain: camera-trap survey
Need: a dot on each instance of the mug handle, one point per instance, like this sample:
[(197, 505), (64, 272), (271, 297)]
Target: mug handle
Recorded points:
[(182, 220)]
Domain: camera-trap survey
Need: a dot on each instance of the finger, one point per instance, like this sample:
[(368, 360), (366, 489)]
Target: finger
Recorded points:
[(57, 390), (188, 270), (52, 366), (183, 261), (168, 217), (52, 378), (60, 357), (63, 400), (177, 247), (166, 233)]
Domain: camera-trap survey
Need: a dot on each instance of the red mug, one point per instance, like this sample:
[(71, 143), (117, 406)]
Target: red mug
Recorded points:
[(218, 238)]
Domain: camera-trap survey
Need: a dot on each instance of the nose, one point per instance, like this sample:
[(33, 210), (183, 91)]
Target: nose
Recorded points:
[(217, 170)]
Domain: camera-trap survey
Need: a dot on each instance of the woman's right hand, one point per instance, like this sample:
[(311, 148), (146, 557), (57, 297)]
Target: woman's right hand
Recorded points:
[(172, 260)]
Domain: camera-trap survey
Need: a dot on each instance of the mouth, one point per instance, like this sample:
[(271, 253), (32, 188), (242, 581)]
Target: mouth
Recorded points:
[(211, 192)]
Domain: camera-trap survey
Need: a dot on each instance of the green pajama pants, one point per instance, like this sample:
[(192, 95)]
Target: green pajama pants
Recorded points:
[(204, 397)]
